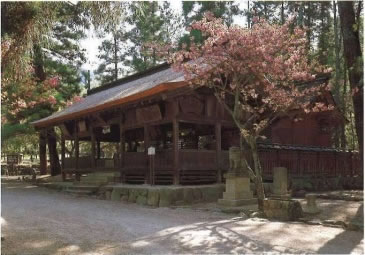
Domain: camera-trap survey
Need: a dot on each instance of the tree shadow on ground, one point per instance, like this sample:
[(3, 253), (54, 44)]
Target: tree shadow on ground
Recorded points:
[(351, 243)]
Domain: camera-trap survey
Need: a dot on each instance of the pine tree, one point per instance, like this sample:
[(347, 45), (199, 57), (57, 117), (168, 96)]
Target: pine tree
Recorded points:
[(194, 11), (153, 23), (111, 53)]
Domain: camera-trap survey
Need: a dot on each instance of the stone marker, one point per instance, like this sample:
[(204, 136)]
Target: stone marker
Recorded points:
[(311, 206), (280, 185), (287, 210), (238, 190)]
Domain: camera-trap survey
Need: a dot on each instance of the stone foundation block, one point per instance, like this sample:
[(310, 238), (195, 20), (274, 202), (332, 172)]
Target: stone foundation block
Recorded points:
[(211, 194), (188, 195), (153, 197), (141, 200), (197, 193), (115, 195), (133, 194), (238, 202), (108, 195), (166, 197), (124, 198), (286, 210)]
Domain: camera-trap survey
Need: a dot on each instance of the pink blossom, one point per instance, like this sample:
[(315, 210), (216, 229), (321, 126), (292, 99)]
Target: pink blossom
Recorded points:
[(52, 100)]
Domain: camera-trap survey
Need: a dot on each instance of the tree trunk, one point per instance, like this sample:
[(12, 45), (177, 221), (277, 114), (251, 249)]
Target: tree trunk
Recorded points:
[(248, 15), (43, 152), (308, 24), (53, 155), (258, 172), (115, 58), (39, 63), (339, 131), (344, 108), (353, 58)]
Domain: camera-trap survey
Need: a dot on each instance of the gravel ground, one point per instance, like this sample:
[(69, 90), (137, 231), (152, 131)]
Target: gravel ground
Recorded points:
[(40, 221)]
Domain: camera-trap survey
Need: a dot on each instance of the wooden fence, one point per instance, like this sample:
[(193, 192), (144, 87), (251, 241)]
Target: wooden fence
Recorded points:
[(313, 163)]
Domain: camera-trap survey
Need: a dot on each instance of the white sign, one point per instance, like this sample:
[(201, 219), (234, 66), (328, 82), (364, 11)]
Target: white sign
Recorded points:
[(106, 130), (151, 151)]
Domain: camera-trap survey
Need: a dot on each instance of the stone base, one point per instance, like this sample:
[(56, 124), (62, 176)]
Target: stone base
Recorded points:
[(311, 210), (281, 196), (238, 202)]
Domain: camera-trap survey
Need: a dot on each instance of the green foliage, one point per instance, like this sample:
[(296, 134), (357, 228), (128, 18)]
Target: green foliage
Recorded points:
[(194, 11), (153, 23), (111, 53)]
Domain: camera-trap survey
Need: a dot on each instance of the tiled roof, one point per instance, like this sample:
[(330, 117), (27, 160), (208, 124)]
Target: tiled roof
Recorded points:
[(118, 90)]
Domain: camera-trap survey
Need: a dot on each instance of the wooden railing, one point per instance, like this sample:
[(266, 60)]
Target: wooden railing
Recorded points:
[(85, 162), (311, 163), (198, 166), (303, 162), (198, 160)]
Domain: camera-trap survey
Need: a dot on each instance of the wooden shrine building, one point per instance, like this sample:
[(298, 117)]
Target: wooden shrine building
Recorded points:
[(190, 131)]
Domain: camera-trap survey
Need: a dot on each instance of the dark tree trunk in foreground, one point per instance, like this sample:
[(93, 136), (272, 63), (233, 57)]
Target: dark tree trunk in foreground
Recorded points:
[(43, 152), (353, 58), (51, 135), (53, 155)]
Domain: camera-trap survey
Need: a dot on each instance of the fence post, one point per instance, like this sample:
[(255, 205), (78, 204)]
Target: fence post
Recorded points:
[(317, 163), (298, 164), (335, 163)]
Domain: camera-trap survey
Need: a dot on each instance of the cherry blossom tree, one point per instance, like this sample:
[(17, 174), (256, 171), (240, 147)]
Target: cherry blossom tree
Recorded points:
[(258, 74)]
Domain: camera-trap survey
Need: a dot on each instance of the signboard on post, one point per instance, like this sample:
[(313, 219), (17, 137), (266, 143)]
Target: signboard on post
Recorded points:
[(151, 151), (13, 159)]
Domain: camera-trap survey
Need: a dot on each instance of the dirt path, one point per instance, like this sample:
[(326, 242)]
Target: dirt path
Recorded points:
[(40, 221)]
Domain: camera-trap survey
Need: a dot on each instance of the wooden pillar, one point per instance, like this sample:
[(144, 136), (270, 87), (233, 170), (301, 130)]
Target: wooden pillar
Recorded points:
[(175, 141), (317, 164), (63, 152), (43, 151), (335, 170), (122, 148), (93, 160), (77, 150), (218, 143), (146, 145), (98, 151), (299, 170)]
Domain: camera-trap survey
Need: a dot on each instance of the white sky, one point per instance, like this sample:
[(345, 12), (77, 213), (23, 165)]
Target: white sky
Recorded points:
[(92, 42)]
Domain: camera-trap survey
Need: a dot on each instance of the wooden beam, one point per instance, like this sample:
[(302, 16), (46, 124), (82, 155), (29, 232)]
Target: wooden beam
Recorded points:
[(101, 120), (122, 148), (146, 145), (175, 141), (98, 151), (43, 151), (218, 139), (77, 149)]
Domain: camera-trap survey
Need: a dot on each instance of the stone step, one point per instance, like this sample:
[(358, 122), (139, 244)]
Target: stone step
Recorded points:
[(105, 174), (79, 191), (82, 189), (97, 178), (98, 184), (83, 186)]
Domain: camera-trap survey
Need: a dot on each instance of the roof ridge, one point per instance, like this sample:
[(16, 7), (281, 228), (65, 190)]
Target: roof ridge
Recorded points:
[(129, 78)]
